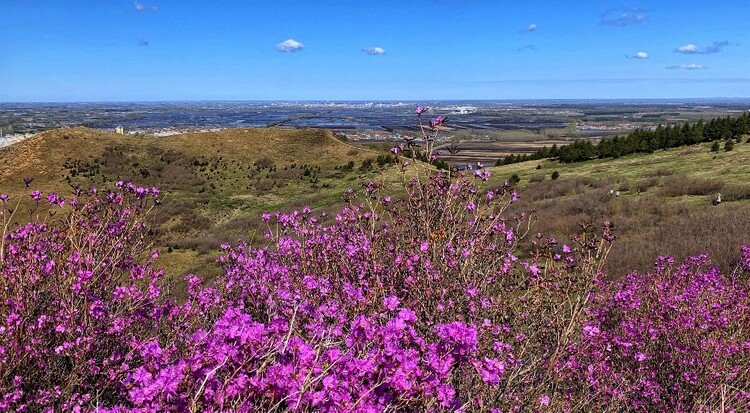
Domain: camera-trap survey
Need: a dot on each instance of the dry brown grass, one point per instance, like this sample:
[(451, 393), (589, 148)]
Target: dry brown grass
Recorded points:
[(679, 185), (647, 224), (718, 231)]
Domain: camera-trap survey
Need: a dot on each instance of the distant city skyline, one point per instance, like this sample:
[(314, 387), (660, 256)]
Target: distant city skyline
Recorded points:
[(169, 50)]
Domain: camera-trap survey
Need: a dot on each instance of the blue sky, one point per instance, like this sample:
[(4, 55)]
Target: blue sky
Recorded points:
[(145, 50)]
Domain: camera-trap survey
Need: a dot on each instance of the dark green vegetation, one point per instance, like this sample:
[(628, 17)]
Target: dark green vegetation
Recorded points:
[(646, 141)]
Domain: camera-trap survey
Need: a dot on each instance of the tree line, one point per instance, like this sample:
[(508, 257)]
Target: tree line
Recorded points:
[(642, 141)]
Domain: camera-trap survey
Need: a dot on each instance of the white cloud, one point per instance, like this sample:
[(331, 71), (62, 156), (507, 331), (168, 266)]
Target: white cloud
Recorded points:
[(532, 28), (714, 47), (140, 7), (691, 66), (623, 17), (289, 46), (374, 51), (638, 55), (688, 49)]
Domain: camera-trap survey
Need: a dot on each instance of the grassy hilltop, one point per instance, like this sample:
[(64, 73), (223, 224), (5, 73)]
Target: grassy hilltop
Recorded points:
[(216, 185)]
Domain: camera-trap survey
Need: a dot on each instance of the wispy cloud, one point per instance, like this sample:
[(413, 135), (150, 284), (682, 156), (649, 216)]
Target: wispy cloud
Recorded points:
[(623, 17), (714, 47), (374, 51), (144, 43), (289, 46), (140, 7), (531, 28), (690, 66), (638, 55)]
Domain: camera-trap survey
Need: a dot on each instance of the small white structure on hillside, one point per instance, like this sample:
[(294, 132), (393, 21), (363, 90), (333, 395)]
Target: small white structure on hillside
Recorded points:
[(120, 130)]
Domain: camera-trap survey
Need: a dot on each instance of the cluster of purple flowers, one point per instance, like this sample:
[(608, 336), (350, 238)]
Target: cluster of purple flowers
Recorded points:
[(672, 340), (413, 303)]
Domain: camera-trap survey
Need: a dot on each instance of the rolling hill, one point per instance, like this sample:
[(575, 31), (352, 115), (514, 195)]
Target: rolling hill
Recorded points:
[(216, 185)]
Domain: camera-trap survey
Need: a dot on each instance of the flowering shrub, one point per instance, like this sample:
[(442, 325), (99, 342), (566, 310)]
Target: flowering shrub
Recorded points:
[(395, 306), (73, 296), (413, 303), (672, 340)]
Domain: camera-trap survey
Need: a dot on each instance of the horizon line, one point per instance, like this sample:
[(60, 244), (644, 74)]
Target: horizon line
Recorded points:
[(717, 99)]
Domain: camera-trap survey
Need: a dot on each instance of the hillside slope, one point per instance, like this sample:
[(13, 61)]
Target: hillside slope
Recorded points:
[(214, 185), (664, 207), (41, 157)]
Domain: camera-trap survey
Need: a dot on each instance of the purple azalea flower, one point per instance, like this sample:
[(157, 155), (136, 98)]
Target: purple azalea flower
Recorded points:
[(544, 400), (391, 302), (438, 121)]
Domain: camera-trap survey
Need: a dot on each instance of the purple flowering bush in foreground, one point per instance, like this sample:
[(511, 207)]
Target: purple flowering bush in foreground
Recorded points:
[(674, 340), (73, 299), (417, 303)]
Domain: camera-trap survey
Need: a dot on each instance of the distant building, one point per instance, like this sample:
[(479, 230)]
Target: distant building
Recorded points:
[(120, 130)]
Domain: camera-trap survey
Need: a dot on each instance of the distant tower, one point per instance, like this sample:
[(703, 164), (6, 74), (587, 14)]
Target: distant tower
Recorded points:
[(120, 130)]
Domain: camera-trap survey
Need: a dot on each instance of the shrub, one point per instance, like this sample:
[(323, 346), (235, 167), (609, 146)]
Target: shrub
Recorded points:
[(514, 179), (75, 298), (555, 175), (536, 178), (735, 192), (684, 185), (264, 186), (671, 340), (264, 163), (366, 165), (345, 316), (661, 172), (646, 183)]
